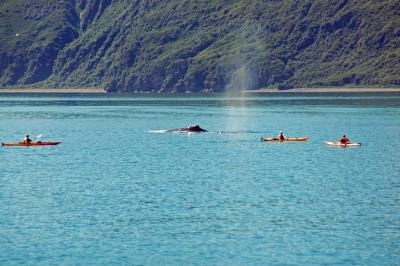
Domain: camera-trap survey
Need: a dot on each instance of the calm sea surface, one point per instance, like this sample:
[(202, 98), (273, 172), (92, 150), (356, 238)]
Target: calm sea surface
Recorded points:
[(117, 191)]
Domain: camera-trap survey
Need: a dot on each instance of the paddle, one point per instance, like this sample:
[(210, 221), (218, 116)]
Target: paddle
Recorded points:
[(38, 137)]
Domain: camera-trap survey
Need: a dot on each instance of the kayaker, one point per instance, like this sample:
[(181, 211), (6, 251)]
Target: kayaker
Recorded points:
[(281, 137), (27, 139), (344, 140)]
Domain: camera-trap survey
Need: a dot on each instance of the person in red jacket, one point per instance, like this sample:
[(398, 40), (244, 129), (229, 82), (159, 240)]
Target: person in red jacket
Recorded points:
[(344, 140)]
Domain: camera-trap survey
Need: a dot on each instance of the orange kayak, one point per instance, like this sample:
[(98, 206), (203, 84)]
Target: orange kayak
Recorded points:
[(285, 140), (39, 143)]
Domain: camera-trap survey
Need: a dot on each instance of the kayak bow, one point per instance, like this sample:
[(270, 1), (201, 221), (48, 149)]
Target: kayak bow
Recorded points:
[(285, 140), (39, 143)]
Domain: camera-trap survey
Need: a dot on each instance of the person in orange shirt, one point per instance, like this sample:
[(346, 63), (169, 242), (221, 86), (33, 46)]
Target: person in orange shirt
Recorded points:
[(281, 137)]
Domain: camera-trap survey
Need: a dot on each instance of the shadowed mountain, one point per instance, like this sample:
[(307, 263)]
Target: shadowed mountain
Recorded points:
[(179, 46)]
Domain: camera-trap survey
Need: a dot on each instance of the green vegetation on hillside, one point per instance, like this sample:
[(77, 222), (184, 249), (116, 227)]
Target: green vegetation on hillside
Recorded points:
[(177, 46)]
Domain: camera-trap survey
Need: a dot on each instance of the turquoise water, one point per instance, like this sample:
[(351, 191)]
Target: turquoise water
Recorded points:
[(117, 192)]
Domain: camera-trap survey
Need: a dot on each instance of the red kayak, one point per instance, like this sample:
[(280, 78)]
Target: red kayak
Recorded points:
[(39, 143)]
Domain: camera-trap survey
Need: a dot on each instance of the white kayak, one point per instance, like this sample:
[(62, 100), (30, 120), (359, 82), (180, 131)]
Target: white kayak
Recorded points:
[(339, 144)]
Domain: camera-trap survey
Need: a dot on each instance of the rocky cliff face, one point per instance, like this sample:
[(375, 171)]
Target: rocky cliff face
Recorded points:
[(177, 46)]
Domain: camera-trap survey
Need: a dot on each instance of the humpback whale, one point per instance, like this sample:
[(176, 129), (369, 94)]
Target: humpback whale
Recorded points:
[(190, 129)]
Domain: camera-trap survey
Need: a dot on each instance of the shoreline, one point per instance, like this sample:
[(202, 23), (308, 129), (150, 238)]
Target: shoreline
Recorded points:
[(323, 90), (53, 90), (96, 90)]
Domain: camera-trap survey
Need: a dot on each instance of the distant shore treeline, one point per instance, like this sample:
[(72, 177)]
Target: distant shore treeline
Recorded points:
[(179, 46)]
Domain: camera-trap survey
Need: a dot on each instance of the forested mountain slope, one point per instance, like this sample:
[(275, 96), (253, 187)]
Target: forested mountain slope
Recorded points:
[(187, 45)]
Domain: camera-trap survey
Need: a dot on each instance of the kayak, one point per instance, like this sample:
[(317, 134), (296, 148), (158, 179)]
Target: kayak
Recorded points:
[(339, 144), (39, 143), (285, 140)]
